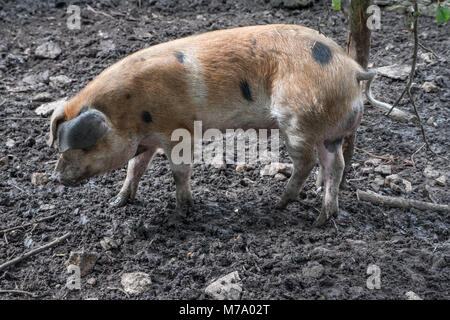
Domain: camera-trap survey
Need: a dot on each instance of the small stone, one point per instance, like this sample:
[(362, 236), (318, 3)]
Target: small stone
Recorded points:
[(430, 120), (373, 161), (313, 270), (135, 283), (108, 243), (42, 97), (47, 108), (367, 170), (441, 181), (48, 50), (410, 295), (47, 206), (398, 184), (225, 288), (280, 177), (277, 167), (355, 165), (429, 87), (84, 260), (245, 167), (384, 169), (398, 72), (10, 143), (91, 281), (38, 178), (219, 166), (60, 81), (427, 57), (430, 173)]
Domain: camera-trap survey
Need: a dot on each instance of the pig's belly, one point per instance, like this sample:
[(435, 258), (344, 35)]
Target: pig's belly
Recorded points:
[(238, 116)]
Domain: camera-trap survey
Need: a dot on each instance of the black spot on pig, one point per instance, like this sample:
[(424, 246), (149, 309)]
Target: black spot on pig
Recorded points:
[(245, 90), (128, 96), (179, 56), (333, 145), (147, 117), (321, 53)]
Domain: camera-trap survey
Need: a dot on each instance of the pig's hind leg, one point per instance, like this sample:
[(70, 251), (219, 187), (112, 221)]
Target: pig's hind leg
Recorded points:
[(136, 168), (332, 165), (301, 150)]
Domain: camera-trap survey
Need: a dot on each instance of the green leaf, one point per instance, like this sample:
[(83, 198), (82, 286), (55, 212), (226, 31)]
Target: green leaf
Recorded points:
[(442, 14), (336, 4)]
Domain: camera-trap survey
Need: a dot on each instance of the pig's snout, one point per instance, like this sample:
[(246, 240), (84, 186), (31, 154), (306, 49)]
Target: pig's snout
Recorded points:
[(61, 174)]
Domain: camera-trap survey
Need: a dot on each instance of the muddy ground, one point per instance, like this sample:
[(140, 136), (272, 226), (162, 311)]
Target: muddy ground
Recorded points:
[(234, 226)]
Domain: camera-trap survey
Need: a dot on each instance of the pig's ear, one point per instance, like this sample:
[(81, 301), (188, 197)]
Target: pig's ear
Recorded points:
[(57, 116), (83, 131)]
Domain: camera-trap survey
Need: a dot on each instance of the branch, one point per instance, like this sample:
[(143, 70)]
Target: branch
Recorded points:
[(35, 251), (375, 198), (30, 224)]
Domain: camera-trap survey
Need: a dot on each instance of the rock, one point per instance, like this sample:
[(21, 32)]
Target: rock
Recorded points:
[(225, 288), (373, 161), (91, 281), (42, 97), (245, 167), (10, 143), (108, 243), (84, 260), (48, 50), (430, 173), (399, 72), (47, 108), (39, 178), (280, 177), (398, 184), (441, 181), (313, 270), (47, 206), (31, 79), (60, 81), (277, 167), (427, 57), (219, 166), (377, 183), (410, 295), (429, 87), (367, 170), (136, 283), (383, 169), (106, 46)]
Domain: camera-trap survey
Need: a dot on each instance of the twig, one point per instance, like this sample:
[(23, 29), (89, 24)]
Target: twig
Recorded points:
[(415, 152), (19, 292), (31, 223), (414, 60), (34, 251), (99, 12), (429, 50), (375, 198), (390, 159), (119, 289)]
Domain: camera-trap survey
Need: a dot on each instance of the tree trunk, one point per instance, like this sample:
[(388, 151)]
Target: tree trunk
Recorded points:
[(358, 44), (358, 47)]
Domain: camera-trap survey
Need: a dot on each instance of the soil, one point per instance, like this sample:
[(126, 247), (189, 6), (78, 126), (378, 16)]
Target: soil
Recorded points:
[(234, 226)]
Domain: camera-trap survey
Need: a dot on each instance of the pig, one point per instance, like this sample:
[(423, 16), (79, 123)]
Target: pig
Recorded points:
[(273, 76)]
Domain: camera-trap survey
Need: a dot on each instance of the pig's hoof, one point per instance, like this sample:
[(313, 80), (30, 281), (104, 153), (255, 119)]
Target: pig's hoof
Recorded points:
[(120, 200), (321, 220)]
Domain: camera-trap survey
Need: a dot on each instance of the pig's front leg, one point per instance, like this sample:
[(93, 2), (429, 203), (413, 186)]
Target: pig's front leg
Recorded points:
[(136, 168)]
